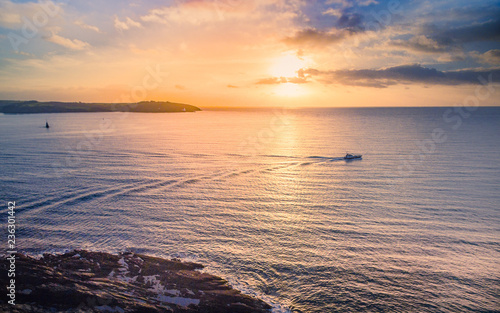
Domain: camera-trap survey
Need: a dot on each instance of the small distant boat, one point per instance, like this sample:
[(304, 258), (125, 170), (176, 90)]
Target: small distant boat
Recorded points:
[(47, 124), (350, 156)]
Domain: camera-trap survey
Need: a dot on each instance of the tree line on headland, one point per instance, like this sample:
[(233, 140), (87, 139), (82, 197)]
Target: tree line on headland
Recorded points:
[(22, 107)]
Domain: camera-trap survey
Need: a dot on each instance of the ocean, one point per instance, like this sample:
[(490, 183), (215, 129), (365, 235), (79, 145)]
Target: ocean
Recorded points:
[(264, 199)]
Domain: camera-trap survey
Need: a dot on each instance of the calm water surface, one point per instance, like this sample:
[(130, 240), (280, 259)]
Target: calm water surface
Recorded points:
[(263, 199)]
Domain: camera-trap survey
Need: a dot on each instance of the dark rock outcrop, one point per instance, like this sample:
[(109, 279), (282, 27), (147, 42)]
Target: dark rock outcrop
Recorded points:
[(83, 281)]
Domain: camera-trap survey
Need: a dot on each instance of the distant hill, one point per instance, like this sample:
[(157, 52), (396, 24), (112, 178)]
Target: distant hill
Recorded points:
[(22, 107)]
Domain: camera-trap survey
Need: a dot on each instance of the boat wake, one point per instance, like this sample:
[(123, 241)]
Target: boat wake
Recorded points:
[(58, 204), (325, 158)]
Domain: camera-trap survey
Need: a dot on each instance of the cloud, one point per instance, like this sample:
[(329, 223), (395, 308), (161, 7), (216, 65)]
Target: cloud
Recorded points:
[(471, 11), (351, 21), (14, 15), (314, 37), (297, 80), (404, 74), (490, 57), (434, 39), (8, 19), (167, 15), (333, 12), (421, 43), (367, 2), (202, 11), (86, 26), (325, 32), (127, 24), (341, 3), (487, 31), (301, 78), (24, 53), (272, 81), (449, 44), (73, 44)]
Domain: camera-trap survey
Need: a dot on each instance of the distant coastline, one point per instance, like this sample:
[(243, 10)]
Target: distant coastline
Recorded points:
[(33, 106)]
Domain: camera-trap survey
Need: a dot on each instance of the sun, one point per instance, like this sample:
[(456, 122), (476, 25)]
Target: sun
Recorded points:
[(286, 66)]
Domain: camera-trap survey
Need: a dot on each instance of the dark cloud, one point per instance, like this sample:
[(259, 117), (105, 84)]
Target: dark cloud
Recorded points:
[(473, 11), (328, 22), (434, 39), (487, 31), (404, 74), (314, 37), (347, 25), (351, 21)]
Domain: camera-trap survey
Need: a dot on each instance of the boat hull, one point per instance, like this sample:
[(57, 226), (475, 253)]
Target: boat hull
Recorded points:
[(352, 157)]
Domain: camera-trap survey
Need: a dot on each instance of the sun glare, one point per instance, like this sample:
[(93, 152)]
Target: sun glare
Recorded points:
[(287, 66)]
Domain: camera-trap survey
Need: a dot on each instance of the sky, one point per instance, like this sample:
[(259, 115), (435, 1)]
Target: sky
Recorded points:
[(258, 53)]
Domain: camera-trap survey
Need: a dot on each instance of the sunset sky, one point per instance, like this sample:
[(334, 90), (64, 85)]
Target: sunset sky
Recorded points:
[(250, 52)]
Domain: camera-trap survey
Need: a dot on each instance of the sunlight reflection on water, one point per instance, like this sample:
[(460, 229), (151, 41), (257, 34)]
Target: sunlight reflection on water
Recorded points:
[(293, 223)]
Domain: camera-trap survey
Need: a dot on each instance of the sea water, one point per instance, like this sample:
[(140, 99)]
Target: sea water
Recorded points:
[(264, 199)]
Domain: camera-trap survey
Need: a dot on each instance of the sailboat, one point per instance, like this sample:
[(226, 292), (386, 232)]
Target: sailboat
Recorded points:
[(47, 124)]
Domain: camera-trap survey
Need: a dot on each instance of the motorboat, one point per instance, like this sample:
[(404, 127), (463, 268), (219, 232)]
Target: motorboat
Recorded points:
[(350, 156)]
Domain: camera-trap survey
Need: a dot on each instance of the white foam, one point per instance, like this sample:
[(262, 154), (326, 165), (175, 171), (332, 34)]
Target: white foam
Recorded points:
[(123, 264), (178, 300), (174, 292), (111, 274), (156, 285), (106, 308)]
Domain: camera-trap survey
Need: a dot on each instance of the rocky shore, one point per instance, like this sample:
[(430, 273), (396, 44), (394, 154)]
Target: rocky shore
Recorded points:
[(83, 281)]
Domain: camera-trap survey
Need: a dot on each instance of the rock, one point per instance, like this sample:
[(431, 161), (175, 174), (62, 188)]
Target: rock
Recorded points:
[(84, 281)]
